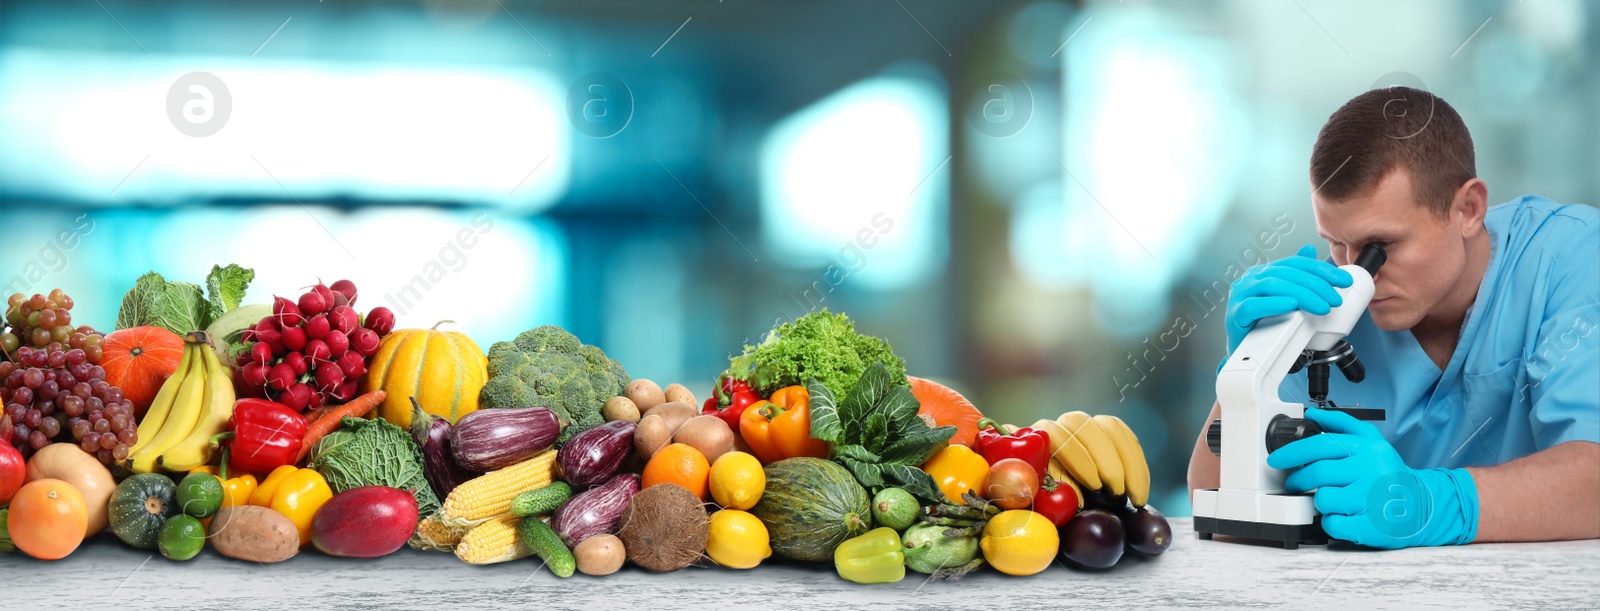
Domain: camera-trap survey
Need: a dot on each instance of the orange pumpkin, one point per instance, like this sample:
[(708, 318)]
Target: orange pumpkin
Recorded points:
[(947, 408), (47, 519), (138, 360)]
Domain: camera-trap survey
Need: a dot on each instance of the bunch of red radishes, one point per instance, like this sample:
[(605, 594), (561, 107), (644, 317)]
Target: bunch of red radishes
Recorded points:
[(314, 351)]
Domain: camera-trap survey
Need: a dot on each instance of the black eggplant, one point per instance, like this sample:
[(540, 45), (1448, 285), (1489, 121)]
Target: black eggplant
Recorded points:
[(432, 435)]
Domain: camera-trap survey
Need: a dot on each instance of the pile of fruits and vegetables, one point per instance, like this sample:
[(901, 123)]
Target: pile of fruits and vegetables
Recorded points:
[(265, 430)]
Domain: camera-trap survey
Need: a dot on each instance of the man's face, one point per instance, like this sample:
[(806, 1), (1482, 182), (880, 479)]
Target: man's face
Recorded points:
[(1427, 255)]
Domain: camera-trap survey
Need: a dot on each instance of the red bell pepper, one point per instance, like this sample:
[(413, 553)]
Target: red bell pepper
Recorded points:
[(266, 435), (1030, 445), (729, 400)]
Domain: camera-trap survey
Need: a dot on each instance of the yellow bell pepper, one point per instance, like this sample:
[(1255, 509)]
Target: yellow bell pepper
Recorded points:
[(299, 495), (262, 496), (957, 469)]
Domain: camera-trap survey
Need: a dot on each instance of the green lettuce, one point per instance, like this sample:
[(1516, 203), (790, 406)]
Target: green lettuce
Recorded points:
[(181, 307), (819, 345)]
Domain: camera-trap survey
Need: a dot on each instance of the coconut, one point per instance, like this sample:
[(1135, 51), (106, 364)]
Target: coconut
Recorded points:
[(664, 528)]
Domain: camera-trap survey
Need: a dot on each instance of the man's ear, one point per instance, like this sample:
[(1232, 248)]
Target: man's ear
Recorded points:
[(1470, 204)]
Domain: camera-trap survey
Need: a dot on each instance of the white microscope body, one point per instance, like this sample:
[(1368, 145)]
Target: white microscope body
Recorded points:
[(1251, 501)]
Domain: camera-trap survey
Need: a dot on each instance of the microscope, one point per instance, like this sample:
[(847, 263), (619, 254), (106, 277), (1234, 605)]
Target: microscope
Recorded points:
[(1251, 501)]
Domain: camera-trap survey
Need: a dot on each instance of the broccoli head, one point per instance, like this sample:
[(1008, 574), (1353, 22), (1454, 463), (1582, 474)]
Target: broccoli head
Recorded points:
[(549, 367)]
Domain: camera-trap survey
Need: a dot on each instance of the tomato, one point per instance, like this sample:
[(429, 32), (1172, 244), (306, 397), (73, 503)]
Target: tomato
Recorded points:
[(1011, 484), (1056, 501)]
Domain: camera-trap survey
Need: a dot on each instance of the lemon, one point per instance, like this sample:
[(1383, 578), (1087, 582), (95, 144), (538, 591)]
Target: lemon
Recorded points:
[(1020, 542), (737, 480), (737, 539)]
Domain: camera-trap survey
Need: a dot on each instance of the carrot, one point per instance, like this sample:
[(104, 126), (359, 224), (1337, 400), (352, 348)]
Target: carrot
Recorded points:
[(329, 420)]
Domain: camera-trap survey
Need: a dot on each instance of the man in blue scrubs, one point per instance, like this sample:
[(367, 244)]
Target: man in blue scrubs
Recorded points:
[(1481, 344)]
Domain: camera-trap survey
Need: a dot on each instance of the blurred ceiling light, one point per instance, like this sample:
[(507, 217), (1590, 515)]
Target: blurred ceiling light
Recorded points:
[(858, 183), (79, 124), (1153, 144)]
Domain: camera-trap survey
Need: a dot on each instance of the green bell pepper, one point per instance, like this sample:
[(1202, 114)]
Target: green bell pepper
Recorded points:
[(875, 557)]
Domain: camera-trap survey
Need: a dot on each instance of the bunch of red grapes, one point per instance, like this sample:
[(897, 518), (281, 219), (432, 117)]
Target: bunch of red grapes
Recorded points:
[(54, 391), (313, 351), (42, 320)]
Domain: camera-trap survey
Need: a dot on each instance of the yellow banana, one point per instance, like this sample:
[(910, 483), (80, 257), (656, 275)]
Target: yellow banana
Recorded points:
[(196, 449), (1135, 470), (185, 412), (1059, 473), (1083, 428), (1073, 455), (156, 415)]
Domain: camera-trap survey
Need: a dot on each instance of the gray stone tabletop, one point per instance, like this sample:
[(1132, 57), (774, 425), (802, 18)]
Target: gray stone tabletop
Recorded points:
[(1222, 574)]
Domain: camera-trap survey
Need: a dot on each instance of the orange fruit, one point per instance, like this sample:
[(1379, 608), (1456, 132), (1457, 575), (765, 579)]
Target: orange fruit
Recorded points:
[(47, 519), (680, 464)]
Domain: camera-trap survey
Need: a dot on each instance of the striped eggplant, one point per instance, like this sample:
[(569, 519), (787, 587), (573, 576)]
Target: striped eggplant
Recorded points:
[(490, 439), (596, 511), (594, 455)]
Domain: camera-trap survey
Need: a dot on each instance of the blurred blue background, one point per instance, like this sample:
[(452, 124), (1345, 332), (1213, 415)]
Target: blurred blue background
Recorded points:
[(1039, 203)]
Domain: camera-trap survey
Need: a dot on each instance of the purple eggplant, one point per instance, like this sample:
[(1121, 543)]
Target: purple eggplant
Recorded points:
[(490, 439), (596, 511), (432, 434), (594, 455)]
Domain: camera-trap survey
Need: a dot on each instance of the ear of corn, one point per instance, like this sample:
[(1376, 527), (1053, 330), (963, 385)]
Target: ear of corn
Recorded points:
[(493, 541), (431, 535), (488, 496)]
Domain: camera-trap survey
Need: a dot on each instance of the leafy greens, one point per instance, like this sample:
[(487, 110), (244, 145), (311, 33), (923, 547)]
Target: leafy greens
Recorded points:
[(373, 453), (876, 432), (181, 307)]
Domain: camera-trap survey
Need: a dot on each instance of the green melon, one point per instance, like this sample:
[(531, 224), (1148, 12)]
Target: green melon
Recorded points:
[(140, 506), (810, 506)]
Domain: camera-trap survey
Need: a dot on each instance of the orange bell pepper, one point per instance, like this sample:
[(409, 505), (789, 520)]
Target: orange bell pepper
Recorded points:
[(755, 428), (791, 429)]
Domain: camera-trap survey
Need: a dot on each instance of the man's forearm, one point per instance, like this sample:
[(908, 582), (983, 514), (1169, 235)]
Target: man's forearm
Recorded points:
[(1551, 495)]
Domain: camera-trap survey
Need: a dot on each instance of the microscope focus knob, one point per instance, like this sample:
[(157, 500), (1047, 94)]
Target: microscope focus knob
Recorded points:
[(1283, 430), (1214, 437)]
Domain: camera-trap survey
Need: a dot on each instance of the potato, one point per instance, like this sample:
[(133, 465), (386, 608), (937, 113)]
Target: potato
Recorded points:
[(675, 414), (252, 533), (709, 434), (599, 555), (678, 393), (644, 394), (620, 408), (651, 435)]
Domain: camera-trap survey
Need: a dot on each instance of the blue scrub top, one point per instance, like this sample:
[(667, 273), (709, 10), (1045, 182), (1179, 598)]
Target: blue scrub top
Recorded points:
[(1526, 373)]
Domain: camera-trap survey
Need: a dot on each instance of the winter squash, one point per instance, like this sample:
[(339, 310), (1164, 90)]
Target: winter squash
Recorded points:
[(947, 408), (138, 360), (810, 506), (444, 370), (140, 506)]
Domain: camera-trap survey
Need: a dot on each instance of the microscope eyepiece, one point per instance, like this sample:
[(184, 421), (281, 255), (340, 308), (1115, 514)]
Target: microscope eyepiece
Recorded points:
[(1371, 258)]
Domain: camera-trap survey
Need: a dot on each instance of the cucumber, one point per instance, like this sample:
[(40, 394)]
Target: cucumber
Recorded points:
[(541, 501), (546, 544)]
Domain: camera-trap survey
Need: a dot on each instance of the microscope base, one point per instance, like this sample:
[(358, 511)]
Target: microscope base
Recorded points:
[(1289, 535), (1288, 519)]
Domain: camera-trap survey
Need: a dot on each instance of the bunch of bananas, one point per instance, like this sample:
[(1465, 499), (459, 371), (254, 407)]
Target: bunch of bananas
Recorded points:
[(193, 405), (1100, 457)]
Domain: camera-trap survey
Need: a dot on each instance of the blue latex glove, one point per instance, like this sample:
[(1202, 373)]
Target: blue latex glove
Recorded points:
[(1366, 493), (1301, 282)]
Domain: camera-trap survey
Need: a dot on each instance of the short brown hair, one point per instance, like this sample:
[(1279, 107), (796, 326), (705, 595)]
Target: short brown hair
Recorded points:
[(1383, 129)]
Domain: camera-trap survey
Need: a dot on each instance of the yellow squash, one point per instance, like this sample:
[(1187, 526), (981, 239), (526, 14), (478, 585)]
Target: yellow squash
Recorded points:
[(444, 370)]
